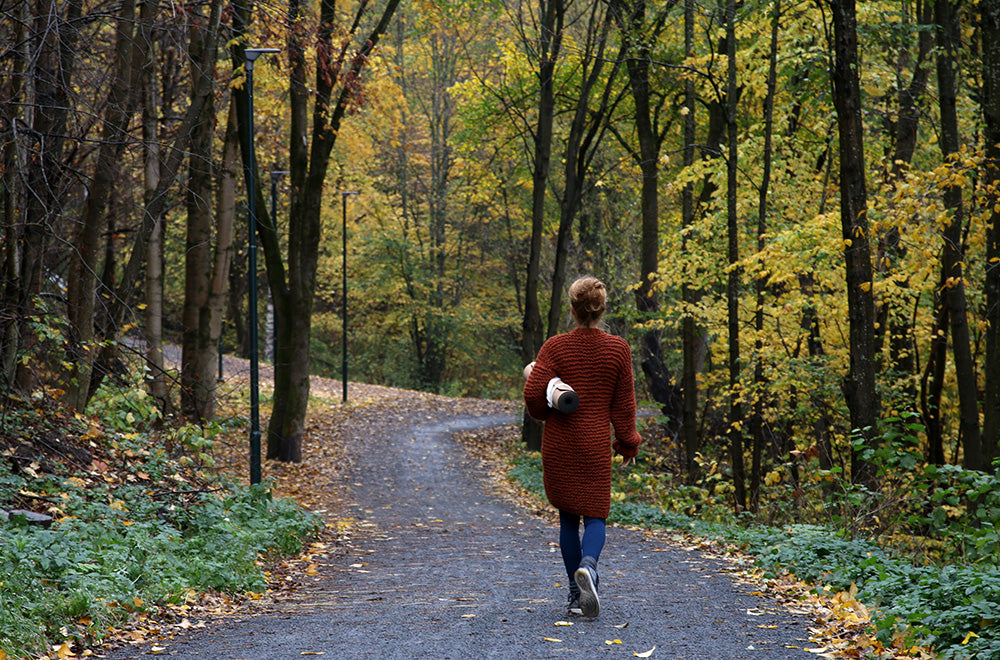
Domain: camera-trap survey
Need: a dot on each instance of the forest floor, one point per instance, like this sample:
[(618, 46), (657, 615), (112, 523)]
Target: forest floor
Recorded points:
[(429, 551)]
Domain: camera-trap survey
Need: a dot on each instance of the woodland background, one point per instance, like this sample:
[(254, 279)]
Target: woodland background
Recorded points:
[(793, 205)]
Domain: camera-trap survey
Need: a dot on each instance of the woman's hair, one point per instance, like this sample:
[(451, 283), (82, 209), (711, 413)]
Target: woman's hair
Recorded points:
[(588, 298)]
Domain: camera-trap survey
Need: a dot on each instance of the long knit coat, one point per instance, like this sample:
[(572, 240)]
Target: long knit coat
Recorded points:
[(577, 448)]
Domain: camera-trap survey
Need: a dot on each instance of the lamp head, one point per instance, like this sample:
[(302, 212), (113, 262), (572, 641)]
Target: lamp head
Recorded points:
[(251, 54)]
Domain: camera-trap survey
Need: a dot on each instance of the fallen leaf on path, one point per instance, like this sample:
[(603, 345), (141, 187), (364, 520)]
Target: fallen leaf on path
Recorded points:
[(644, 654), (551, 639), (313, 653), (612, 641), (621, 625), (564, 623)]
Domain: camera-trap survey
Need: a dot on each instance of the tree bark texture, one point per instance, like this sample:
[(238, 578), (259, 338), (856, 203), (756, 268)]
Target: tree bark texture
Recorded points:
[(293, 297), (736, 390), (82, 285), (550, 33), (585, 133), (198, 356), (636, 35), (990, 25), (859, 385), (948, 42), (156, 380), (757, 425), (689, 331), (51, 60)]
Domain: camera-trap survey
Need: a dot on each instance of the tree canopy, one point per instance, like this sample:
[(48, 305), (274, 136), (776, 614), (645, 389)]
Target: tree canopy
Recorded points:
[(793, 205)]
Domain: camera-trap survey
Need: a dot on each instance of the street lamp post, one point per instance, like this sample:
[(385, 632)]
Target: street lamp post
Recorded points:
[(343, 367), (250, 55)]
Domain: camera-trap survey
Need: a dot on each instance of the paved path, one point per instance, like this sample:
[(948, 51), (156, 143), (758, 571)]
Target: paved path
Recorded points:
[(450, 572)]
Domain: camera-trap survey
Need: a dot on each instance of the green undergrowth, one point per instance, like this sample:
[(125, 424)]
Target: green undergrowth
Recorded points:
[(950, 605), (140, 521)]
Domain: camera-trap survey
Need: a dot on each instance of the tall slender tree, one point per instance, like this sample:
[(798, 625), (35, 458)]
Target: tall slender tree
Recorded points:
[(953, 278), (859, 385), (551, 15), (736, 415), (990, 25), (337, 88), (639, 32)]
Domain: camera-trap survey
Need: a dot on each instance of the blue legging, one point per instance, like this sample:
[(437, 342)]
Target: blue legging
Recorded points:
[(573, 548)]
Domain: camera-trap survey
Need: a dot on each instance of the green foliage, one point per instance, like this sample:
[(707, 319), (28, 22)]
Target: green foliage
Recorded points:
[(527, 471), (125, 409), (144, 536)]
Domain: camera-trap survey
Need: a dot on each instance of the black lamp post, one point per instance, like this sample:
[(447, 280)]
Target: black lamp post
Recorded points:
[(343, 368), (250, 55)]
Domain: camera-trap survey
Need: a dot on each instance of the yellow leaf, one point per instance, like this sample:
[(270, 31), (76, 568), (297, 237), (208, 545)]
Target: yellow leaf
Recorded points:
[(551, 639), (612, 641), (63, 651), (969, 637), (644, 654), (564, 623), (865, 286), (312, 570), (3, 655)]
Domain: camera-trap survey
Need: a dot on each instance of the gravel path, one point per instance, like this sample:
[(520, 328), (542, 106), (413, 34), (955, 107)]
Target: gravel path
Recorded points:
[(444, 570)]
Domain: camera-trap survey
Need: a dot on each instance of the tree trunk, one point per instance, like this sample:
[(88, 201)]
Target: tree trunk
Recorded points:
[(198, 350), (736, 421), (892, 316), (154, 211), (550, 40), (637, 35), (757, 427), (689, 332), (11, 98), (50, 72), (82, 285), (585, 135), (932, 382), (948, 42), (293, 298), (156, 379), (990, 26), (859, 386)]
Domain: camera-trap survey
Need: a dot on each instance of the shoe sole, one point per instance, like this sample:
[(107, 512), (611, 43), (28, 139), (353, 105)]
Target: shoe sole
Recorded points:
[(590, 604)]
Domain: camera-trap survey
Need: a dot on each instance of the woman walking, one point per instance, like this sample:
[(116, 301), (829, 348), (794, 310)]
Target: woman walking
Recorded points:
[(576, 447)]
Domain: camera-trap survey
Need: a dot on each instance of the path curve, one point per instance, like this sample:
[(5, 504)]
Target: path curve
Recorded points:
[(446, 570)]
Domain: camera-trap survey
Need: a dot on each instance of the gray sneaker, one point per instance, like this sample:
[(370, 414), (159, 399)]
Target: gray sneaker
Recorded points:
[(586, 579), (573, 604)]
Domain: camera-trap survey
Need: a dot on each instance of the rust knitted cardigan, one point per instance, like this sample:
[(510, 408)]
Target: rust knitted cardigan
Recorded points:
[(577, 448)]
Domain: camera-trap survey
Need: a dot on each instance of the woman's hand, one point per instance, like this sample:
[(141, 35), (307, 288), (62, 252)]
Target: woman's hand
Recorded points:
[(628, 461)]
